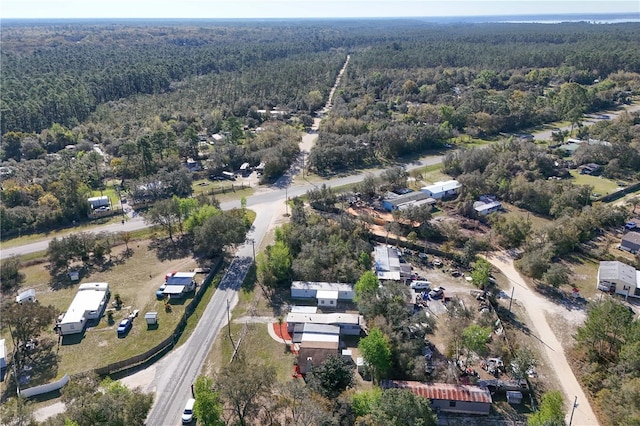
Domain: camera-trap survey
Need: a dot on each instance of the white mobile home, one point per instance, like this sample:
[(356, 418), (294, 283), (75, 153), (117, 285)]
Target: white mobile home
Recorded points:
[(89, 303), (350, 324), (327, 294), (442, 189)]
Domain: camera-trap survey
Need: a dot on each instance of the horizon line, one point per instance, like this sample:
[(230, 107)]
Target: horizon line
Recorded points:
[(635, 15)]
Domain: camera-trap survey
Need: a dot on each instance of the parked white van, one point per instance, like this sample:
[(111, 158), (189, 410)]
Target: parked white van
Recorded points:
[(187, 415), (420, 285)]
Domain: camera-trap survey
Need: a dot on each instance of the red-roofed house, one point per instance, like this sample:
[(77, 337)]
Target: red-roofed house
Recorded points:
[(445, 397)]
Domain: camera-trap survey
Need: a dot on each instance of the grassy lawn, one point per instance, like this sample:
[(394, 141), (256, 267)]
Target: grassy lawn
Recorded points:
[(537, 222), (110, 192), (584, 271), (470, 142), (220, 187), (135, 279), (601, 185)]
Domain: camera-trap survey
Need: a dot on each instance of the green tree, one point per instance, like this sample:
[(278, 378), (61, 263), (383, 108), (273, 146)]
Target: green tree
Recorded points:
[(332, 377), (26, 321), (89, 402), (243, 385), (314, 100), (166, 214), (199, 216), (11, 146), (10, 275), (366, 286), (475, 338), (376, 351), (480, 274), (511, 231), (364, 402), (274, 266), (556, 275), (523, 361), (401, 407), (603, 333), (219, 232), (17, 411), (550, 412), (208, 408)]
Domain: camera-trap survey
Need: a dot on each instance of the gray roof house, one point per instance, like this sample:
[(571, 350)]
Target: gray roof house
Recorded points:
[(631, 242), (619, 278), (388, 265), (393, 201)]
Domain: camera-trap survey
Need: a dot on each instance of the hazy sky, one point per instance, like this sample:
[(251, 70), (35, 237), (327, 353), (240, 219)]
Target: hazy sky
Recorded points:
[(300, 8)]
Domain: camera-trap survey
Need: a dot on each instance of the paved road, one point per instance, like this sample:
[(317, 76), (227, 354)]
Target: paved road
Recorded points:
[(276, 193), (175, 373), (546, 134)]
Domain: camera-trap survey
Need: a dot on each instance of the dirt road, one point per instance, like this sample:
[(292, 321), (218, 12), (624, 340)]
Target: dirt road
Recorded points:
[(537, 308)]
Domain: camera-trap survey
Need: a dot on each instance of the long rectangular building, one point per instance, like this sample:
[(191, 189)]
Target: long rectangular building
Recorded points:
[(446, 397), (89, 303), (350, 324)]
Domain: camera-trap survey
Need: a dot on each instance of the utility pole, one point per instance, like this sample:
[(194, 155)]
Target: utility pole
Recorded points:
[(575, 404), (286, 201), (229, 324), (511, 300)]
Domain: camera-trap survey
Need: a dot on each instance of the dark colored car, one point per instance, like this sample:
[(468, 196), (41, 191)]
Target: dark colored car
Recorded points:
[(124, 326)]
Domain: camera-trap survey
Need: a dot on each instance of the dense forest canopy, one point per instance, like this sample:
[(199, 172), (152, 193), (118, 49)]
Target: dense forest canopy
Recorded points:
[(89, 102), (61, 72)]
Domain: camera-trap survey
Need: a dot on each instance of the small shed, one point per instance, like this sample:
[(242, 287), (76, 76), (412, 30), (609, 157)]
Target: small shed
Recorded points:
[(26, 296), (97, 202), (151, 318), (514, 397)]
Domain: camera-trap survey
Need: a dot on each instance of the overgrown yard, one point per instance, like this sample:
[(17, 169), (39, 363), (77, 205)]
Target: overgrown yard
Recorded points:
[(135, 279), (537, 222)]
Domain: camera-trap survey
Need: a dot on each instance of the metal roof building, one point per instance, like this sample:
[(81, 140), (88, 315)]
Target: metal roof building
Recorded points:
[(442, 189), (388, 266), (446, 397), (619, 278)]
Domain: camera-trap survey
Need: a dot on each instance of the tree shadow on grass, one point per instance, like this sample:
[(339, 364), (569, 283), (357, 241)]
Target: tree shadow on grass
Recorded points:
[(43, 362), (165, 249), (249, 283)]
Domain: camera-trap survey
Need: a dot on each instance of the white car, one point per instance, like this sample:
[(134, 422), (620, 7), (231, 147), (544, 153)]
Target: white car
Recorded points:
[(187, 414)]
